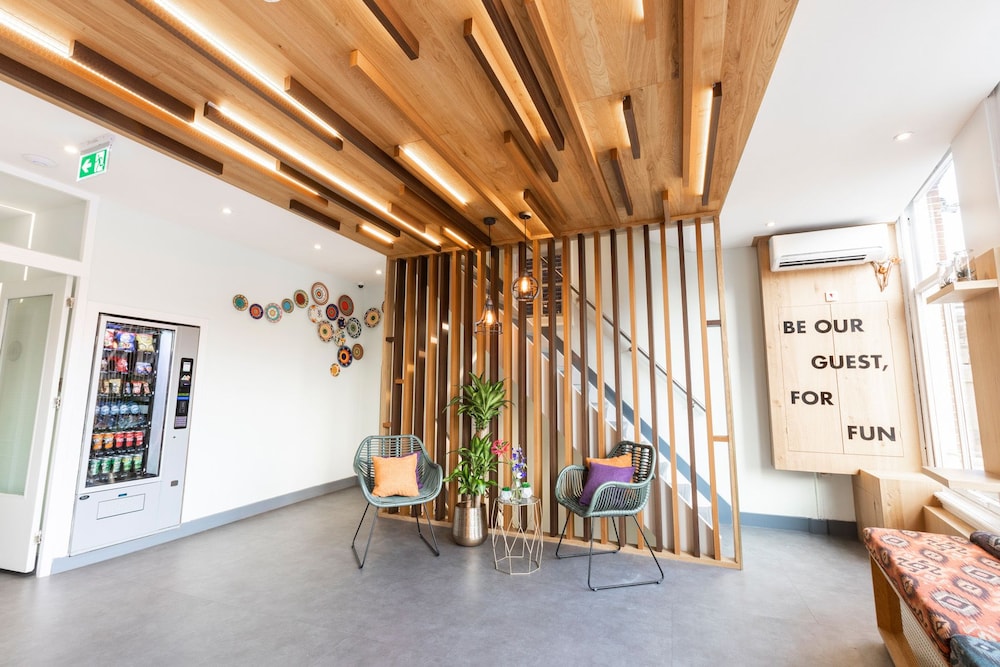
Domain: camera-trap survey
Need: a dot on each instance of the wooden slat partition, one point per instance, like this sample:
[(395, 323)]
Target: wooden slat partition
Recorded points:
[(435, 301)]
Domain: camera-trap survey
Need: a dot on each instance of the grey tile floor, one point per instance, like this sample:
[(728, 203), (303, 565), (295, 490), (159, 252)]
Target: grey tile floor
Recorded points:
[(282, 588)]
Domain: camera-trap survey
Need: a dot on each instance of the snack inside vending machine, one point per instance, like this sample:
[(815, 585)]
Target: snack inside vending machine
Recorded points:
[(132, 477)]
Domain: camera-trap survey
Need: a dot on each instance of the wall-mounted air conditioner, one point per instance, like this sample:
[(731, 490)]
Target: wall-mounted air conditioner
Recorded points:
[(829, 247)]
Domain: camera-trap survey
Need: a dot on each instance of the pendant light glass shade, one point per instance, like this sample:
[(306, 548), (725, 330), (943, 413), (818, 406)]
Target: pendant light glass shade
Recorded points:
[(489, 323), (524, 288)]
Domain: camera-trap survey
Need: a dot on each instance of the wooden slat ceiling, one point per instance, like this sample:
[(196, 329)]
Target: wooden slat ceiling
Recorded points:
[(516, 104)]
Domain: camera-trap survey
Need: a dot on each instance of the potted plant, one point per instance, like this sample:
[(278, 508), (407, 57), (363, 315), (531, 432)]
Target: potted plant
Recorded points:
[(481, 400)]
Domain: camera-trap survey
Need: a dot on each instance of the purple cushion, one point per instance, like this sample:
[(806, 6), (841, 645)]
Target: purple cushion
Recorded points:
[(598, 474), (988, 542)]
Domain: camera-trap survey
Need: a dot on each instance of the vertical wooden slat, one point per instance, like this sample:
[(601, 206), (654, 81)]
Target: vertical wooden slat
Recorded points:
[(468, 336), (599, 359), (536, 381), (430, 357), (634, 334), (493, 340), (567, 389), (654, 422), (692, 452), (706, 375), (456, 337), (409, 336), (733, 486), (398, 333), (522, 360), (419, 348), (508, 367), (553, 384), (671, 417), (443, 386), (617, 342), (480, 342), (387, 385), (583, 437)]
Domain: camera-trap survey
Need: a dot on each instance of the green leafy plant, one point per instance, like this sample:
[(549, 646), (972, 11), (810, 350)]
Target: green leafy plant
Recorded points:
[(481, 400)]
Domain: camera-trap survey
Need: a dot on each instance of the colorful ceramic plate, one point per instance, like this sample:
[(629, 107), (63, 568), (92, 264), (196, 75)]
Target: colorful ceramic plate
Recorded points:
[(372, 317), (320, 294), (301, 298), (331, 312), (325, 331), (272, 312), (341, 322), (339, 337), (354, 327), (334, 369), (344, 356), (315, 314), (240, 302), (357, 351), (287, 305), (256, 311), (346, 304)]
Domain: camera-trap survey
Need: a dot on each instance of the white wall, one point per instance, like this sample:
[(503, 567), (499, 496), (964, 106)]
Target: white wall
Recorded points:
[(267, 417), (975, 173)]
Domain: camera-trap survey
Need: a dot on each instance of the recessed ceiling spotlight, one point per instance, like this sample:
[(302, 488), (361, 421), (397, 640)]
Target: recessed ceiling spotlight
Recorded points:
[(39, 160), (71, 149), (378, 272), (902, 136), (315, 245), (226, 210), (770, 223)]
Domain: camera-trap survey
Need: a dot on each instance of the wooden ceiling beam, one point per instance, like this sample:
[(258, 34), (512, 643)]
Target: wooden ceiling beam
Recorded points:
[(394, 25), (353, 135), (578, 135), (633, 131), (508, 35), (477, 43), (713, 136), (312, 214), (616, 167), (703, 36)]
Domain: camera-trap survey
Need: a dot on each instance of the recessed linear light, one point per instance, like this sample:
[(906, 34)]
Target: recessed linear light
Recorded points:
[(422, 165), (903, 136), (33, 34), (456, 237), (376, 233)]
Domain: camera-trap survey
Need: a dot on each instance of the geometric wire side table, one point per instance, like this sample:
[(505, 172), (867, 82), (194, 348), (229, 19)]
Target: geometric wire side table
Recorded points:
[(517, 545)]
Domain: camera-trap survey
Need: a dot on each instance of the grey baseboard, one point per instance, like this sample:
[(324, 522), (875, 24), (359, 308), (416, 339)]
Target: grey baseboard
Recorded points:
[(815, 526), (199, 525)]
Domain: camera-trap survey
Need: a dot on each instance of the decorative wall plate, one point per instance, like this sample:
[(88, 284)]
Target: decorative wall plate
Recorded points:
[(353, 327), (325, 331), (301, 298), (341, 322), (344, 356), (339, 337), (315, 314), (272, 312), (346, 305), (256, 311), (334, 369), (331, 312), (372, 317), (240, 302), (357, 351), (320, 294), (287, 305)]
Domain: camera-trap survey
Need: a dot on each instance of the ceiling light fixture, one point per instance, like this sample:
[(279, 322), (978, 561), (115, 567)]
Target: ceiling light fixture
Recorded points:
[(375, 233), (524, 288), (770, 223), (39, 160), (226, 210), (317, 246), (456, 237), (903, 136), (489, 323), (33, 34), (418, 162)]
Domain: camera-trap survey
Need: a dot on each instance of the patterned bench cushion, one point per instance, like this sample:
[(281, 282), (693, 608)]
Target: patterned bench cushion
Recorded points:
[(951, 585)]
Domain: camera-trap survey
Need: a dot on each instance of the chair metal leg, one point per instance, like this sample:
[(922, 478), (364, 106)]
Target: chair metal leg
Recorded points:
[(430, 528), (361, 560), (583, 553), (633, 583)]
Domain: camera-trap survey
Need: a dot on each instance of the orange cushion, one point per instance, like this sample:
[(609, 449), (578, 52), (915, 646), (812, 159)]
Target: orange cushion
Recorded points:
[(395, 476), (623, 461)]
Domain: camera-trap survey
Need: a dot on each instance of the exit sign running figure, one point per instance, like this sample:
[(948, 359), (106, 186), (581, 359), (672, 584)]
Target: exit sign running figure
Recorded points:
[(93, 162)]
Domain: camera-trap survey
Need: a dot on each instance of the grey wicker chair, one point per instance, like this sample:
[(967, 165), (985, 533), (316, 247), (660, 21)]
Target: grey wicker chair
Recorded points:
[(611, 500), (428, 473)]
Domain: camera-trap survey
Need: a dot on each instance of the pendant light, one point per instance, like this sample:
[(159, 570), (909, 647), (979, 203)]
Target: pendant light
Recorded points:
[(489, 322), (524, 288)]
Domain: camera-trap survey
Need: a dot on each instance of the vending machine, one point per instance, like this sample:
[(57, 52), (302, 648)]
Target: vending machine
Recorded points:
[(132, 476)]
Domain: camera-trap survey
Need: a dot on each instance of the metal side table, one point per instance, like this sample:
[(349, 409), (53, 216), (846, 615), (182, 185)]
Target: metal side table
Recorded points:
[(517, 538)]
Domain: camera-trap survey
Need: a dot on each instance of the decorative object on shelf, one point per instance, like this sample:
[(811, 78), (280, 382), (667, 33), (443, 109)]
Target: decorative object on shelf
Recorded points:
[(945, 273), (357, 350), (325, 331), (346, 305), (315, 314), (332, 313), (882, 270), (524, 288), (372, 317), (354, 327), (287, 305), (240, 302), (489, 323), (272, 312), (335, 369), (301, 298), (525, 490), (964, 268), (506, 494), (320, 294), (344, 356), (256, 311)]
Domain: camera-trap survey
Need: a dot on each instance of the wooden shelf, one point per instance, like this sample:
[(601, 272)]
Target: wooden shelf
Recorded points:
[(955, 478), (962, 290)]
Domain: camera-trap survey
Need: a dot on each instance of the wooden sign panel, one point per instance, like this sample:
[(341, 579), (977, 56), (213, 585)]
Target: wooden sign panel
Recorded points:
[(839, 374)]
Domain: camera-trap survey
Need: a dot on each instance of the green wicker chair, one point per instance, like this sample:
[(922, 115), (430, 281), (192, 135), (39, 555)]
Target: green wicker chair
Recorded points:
[(428, 473), (610, 500)]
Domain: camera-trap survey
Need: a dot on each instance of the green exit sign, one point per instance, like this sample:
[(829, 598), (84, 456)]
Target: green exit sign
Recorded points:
[(93, 162)]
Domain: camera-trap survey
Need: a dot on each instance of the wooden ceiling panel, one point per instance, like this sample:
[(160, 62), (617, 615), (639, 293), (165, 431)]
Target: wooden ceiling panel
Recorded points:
[(586, 55)]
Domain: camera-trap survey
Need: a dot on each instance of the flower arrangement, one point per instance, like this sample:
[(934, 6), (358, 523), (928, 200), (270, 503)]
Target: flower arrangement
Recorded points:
[(514, 457)]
